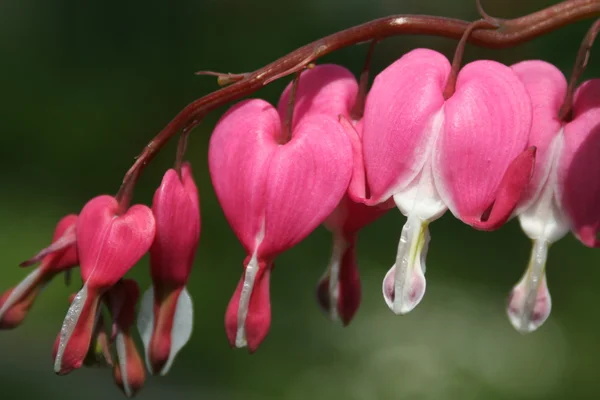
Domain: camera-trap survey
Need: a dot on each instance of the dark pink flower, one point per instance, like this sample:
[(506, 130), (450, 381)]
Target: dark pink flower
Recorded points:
[(166, 316), (108, 245), (274, 193)]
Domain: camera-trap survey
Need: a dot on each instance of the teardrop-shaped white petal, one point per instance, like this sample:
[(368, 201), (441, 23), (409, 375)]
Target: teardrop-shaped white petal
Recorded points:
[(145, 322), (404, 284), (122, 359), (332, 275), (530, 304), (182, 327)]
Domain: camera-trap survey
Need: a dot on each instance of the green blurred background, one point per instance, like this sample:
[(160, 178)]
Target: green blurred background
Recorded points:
[(85, 85)]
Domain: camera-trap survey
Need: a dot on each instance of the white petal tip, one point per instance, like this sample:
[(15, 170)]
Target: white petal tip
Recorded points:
[(181, 333), (145, 322), (527, 316), (240, 341), (412, 287)]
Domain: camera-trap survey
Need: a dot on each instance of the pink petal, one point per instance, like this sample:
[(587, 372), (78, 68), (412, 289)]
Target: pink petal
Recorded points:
[(177, 215), (326, 89), (397, 120), (62, 253), (579, 166), (510, 190), (486, 126), (307, 178), (110, 244), (240, 148), (547, 87)]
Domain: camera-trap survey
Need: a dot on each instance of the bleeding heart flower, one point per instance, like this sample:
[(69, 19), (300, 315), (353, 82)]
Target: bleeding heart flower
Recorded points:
[(564, 192), (274, 192), (332, 90), (128, 371), (59, 257), (108, 245), (166, 315), (466, 154)]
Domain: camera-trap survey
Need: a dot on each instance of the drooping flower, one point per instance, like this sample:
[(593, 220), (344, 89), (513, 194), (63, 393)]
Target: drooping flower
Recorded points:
[(274, 191), (128, 370), (59, 257), (332, 90), (108, 245), (467, 154), (166, 315), (564, 192)]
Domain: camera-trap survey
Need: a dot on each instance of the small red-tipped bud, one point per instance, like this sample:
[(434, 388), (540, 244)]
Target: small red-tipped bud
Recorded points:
[(109, 244), (129, 371), (60, 256), (166, 315)]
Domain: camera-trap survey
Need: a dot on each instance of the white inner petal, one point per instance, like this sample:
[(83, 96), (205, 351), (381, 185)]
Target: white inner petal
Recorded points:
[(69, 325), (122, 356), (421, 203), (423, 153), (530, 301), (145, 322), (339, 247), (249, 278), (543, 219), (182, 327), (18, 291)]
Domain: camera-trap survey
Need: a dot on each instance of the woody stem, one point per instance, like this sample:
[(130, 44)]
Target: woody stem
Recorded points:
[(289, 115)]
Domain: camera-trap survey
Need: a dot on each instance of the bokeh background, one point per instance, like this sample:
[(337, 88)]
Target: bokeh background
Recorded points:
[(85, 85)]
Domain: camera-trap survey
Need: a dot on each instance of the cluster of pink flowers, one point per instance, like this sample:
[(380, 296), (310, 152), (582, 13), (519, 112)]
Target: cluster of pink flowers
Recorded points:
[(493, 150)]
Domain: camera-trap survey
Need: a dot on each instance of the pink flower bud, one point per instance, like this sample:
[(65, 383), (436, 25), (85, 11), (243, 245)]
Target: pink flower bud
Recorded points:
[(108, 244), (166, 315), (128, 371), (60, 256), (274, 193), (467, 154)]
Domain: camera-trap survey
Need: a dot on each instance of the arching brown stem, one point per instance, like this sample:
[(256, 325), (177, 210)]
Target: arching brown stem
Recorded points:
[(511, 33), (580, 63), (460, 51), (363, 85)]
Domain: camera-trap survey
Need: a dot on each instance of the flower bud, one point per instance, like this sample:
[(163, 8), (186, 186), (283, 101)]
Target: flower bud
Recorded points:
[(166, 315)]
